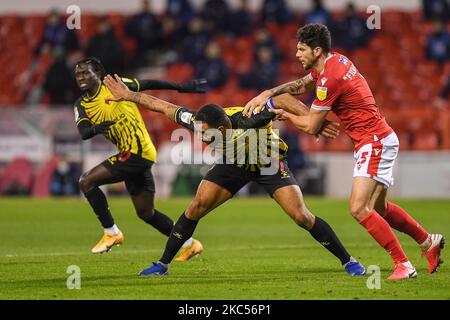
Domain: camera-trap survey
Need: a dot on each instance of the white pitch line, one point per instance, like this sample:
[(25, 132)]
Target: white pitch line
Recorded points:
[(231, 248)]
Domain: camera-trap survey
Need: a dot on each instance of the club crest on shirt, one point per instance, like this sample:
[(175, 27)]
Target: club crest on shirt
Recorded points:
[(321, 93)]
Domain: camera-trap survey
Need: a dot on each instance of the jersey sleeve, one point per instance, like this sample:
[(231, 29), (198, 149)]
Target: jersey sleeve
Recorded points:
[(327, 92), (142, 85), (132, 84), (185, 117), (80, 113), (257, 120)]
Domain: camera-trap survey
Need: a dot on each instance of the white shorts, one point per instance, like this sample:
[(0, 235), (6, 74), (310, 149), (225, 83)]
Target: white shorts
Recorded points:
[(376, 160)]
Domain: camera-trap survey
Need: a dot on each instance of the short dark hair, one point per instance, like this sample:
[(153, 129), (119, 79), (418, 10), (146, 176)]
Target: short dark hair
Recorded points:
[(213, 115), (95, 64), (315, 35)]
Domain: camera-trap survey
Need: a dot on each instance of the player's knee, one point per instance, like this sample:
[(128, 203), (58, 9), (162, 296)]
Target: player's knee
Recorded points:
[(196, 210), (145, 214), (304, 218), (85, 183), (358, 210)]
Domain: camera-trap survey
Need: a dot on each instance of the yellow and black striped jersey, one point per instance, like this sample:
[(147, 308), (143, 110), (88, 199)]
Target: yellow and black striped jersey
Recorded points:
[(252, 139), (129, 132)]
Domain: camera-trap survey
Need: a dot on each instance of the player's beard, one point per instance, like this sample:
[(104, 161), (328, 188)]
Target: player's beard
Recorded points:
[(309, 65)]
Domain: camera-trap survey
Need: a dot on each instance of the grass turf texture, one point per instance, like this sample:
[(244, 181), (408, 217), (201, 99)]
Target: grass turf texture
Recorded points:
[(252, 251)]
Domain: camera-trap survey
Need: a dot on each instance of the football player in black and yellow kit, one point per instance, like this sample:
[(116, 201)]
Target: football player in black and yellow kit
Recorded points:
[(227, 177), (122, 124)]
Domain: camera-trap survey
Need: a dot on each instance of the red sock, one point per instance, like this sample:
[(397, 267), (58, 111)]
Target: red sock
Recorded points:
[(379, 229), (400, 220)]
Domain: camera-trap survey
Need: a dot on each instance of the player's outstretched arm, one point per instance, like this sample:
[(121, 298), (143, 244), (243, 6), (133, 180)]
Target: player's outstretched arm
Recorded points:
[(295, 107), (191, 86), (313, 123), (296, 87), (121, 92), (290, 104)]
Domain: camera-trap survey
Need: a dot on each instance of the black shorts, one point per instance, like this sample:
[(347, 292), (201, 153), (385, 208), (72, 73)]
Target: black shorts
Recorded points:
[(133, 169), (233, 178)]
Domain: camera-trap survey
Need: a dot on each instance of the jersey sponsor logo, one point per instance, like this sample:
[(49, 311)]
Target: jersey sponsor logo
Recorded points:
[(186, 117), (323, 80), (321, 93)]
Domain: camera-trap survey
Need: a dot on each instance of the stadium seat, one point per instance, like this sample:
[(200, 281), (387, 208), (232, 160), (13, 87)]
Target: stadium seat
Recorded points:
[(180, 72), (309, 143), (340, 144), (17, 177), (42, 180), (425, 142)]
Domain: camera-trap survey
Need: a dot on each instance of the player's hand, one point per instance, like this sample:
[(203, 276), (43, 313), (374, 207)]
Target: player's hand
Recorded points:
[(329, 130), (103, 127), (118, 89), (193, 86), (258, 101)]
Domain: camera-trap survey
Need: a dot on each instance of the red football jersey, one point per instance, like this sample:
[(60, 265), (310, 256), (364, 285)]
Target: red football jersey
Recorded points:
[(341, 88)]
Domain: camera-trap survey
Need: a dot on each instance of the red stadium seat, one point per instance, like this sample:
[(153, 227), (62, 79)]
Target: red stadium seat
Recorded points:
[(180, 72), (340, 144), (217, 96), (41, 183), (425, 142), (17, 174), (309, 143)]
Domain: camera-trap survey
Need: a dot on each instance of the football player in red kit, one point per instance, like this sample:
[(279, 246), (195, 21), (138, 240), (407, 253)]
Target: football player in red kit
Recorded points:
[(340, 88)]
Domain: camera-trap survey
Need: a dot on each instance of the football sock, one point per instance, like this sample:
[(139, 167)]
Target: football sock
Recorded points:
[(403, 222), (160, 222), (322, 232), (379, 229), (182, 230), (113, 230), (97, 200), (426, 244), (189, 242)]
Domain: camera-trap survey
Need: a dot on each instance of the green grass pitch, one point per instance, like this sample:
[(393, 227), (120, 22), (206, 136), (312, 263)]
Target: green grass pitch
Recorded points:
[(252, 251)]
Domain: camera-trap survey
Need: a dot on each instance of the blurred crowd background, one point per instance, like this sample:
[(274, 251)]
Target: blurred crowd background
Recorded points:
[(238, 50)]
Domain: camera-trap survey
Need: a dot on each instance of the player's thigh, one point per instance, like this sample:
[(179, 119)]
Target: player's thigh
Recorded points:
[(209, 195), (140, 182), (290, 199), (272, 181), (365, 191), (228, 176), (97, 176), (380, 203)]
